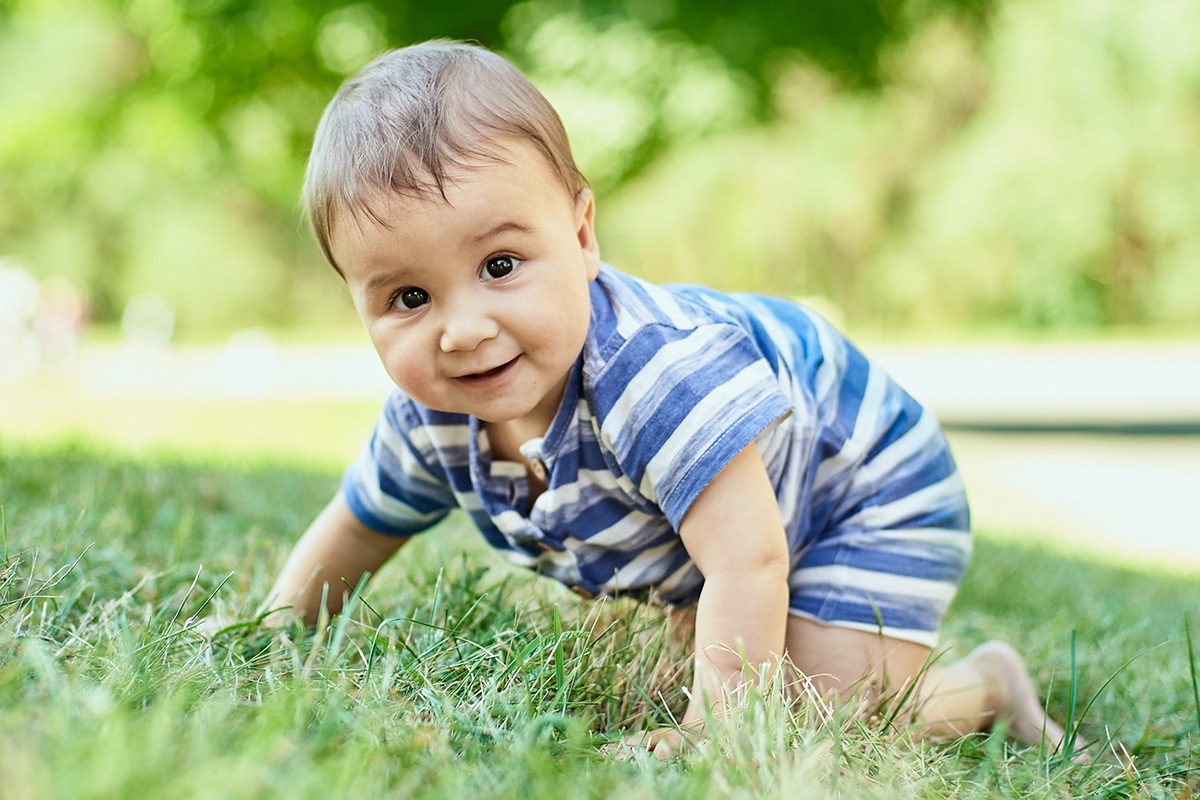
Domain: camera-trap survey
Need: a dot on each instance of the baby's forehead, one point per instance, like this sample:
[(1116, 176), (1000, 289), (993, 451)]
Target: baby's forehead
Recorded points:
[(379, 205), (501, 164), (480, 197)]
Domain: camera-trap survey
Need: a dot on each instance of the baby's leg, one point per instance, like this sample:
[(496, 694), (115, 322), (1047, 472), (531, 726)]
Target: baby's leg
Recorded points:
[(950, 700)]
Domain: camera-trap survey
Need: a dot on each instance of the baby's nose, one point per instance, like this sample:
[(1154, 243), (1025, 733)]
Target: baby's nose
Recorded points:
[(465, 327)]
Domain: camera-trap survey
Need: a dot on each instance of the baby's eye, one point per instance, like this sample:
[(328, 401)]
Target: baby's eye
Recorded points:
[(499, 266), (411, 297)]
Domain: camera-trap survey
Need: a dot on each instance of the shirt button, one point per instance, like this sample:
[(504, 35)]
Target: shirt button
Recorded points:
[(537, 468), (583, 592)]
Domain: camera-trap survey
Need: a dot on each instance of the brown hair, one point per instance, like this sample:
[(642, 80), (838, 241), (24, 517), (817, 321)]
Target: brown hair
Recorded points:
[(412, 116)]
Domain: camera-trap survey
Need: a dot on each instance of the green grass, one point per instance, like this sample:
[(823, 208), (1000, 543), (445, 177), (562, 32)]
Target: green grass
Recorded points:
[(324, 433), (453, 676)]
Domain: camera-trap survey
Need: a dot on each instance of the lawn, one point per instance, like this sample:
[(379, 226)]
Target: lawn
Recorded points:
[(454, 676)]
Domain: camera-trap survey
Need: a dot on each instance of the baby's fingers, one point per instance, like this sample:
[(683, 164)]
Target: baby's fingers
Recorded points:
[(668, 743), (662, 743), (628, 748)]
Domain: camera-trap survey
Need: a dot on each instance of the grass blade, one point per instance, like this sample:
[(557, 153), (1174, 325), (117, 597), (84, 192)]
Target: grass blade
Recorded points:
[(560, 684), (1187, 630), (339, 630), (1072, 727)]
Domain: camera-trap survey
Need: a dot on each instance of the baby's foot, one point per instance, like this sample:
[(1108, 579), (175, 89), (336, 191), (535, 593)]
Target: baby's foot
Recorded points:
[(1015, 701)]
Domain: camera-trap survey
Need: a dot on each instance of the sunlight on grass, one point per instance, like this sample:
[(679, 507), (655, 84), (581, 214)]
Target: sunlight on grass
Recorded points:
[(317, 432)]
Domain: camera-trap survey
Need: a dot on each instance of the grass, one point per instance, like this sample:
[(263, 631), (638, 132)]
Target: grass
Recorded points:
[(454, 676), (322, 433)]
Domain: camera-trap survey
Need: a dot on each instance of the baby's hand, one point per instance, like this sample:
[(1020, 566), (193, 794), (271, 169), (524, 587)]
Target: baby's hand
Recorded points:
[(665, 743), (662, 743)]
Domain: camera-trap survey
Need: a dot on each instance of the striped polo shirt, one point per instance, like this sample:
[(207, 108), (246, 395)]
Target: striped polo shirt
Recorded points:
[(673, 382)]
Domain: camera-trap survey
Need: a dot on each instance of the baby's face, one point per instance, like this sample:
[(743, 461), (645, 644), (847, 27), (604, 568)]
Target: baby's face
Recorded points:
[(478, 304)]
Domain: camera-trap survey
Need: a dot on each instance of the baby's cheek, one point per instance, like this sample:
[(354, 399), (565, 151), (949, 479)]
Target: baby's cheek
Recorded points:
[(409, 375), (397, 367)]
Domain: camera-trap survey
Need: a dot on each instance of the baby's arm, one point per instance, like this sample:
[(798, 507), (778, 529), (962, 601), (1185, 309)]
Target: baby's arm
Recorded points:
[(335, 548), (734, 534)]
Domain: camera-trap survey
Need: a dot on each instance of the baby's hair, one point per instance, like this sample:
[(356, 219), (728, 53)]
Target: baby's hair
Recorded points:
[(412, 116)]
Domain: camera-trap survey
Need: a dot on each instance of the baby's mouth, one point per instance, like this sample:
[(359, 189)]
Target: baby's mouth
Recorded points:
[(493, 371)]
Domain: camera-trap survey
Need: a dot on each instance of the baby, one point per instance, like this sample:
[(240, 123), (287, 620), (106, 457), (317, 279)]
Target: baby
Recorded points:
[(731, 453)]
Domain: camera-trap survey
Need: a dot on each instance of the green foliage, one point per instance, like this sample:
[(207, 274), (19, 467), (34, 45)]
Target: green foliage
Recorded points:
[(625, 93), (928, 162), (1041, 174), (157, 146), (454, 676)]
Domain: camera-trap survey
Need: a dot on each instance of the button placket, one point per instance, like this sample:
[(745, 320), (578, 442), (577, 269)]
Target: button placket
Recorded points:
[(531, 451), (538, 468)]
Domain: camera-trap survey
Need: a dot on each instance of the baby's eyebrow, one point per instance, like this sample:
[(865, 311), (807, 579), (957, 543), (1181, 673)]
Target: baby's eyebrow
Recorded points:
[(377, 282), (497, 230)]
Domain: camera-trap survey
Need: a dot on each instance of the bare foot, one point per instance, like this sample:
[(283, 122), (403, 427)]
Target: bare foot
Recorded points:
[(1016, 702)]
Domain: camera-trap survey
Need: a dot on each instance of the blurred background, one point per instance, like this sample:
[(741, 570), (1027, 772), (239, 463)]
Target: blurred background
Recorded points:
[(999, 198)]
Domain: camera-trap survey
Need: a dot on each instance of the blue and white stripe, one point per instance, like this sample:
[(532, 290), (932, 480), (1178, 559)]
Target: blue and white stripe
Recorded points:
[(672, 384)]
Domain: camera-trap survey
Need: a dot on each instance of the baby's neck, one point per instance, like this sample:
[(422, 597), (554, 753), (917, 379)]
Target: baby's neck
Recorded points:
[(506, 438), (505, 441)]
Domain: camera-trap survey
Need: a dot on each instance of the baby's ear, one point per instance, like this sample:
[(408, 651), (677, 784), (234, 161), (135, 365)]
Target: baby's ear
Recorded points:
[(585, 228)]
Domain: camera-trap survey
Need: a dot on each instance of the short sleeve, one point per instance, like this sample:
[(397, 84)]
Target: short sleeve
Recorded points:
[(676, 405), (396, 485)]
